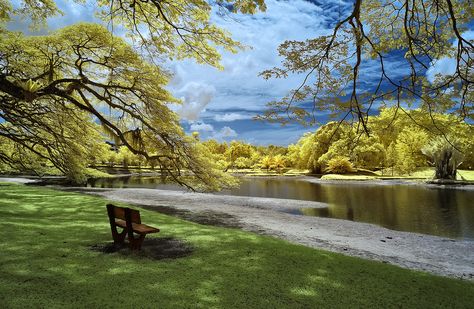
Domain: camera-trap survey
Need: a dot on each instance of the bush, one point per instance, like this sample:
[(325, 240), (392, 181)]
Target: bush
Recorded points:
[(339, 165)]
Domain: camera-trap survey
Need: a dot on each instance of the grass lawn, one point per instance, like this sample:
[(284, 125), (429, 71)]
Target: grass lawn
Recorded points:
[(46, 261), (429, 172), (426, 173), (466, 175)]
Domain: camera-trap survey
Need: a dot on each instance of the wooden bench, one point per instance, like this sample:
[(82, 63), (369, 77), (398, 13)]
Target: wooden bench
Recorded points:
[(129, 220)]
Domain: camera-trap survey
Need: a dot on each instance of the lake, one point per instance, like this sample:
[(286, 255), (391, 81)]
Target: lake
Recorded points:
[(423, 209)]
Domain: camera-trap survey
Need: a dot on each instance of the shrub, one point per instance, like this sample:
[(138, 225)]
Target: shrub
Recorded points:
[(339, 165)]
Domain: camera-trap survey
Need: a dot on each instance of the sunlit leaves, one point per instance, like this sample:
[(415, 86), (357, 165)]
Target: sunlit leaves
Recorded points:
[(175, 29), (35, 10), (397, 140), (55, 87)]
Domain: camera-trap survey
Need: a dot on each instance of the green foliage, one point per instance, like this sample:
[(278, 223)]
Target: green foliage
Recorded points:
[(314, 145), (14, 158), (368, 152), (408, 147), (208, 175), (241, 155), (339, 165)]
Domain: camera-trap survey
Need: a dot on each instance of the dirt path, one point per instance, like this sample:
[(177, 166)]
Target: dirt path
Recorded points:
[(443, 256)]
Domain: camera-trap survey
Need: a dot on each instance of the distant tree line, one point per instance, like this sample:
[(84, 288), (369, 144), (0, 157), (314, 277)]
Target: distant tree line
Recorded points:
[(399, 142)]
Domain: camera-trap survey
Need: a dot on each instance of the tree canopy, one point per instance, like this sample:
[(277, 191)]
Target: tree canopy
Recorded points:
[(62, 92)]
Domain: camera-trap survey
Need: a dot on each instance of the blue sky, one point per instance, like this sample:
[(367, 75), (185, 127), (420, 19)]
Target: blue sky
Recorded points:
[(221, 104)]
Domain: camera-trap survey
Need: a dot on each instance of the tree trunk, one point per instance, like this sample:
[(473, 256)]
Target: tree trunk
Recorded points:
[(446, 166)]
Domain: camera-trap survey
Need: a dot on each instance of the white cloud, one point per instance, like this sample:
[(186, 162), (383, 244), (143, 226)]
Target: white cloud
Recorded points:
[(207, 131), (225, 133), (228, 117), (238, 86), (201, 126), (195, 97), (281, 136), (443, 66), (446, 65)]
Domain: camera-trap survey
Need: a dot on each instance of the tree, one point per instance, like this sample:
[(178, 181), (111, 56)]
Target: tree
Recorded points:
[(444, 156), (53, 88), (315, 145), (368, 152), (266, 162), (16, 158), (397, 141), (176, 29), (373, 32), (293, 156), (239, 149), (278, 163)]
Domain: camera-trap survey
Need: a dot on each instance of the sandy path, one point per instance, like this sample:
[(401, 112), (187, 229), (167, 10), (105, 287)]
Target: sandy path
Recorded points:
[(443, 256)]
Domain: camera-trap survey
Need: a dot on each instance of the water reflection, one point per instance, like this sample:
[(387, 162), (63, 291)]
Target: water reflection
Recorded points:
[(150, 182), (435, 211)]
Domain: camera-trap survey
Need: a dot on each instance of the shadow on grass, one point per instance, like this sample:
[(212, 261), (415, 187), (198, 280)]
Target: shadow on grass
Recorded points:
[(207, 217), (153, 248), (46, 261)]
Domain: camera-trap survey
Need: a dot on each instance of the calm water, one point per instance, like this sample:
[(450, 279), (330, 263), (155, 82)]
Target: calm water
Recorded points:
[(428, 210)]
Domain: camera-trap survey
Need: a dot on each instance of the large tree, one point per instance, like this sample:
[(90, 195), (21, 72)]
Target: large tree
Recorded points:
[(372, 33), (59, 90)]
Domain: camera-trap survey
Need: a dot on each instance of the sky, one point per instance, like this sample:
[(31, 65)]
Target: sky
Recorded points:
[(221, 104)]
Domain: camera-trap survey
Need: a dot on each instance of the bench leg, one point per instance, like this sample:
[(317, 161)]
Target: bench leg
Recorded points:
[(136, 243), (119, 238)]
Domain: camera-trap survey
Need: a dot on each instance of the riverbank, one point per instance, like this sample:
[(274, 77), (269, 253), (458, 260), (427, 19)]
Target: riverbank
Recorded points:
[(444, 256), (362, 180), (438, 255)]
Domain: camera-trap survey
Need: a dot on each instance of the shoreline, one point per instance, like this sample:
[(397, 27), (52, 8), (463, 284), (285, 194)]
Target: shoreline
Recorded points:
[(437, 255), (454, 184), (398, 181)]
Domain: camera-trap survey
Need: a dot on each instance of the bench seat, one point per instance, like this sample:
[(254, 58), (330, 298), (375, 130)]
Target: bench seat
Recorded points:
[(137, 228)]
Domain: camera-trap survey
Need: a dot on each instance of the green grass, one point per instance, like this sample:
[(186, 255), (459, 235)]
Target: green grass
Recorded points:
[(46, 262), (422, 173), (429, 172), (466, 175)]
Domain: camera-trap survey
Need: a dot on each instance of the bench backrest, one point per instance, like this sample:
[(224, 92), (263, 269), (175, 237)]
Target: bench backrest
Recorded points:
[(124, 213)]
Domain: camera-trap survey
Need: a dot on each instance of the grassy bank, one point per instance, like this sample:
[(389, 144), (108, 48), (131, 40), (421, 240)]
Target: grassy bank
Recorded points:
[(422, 173), (46, 260)]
